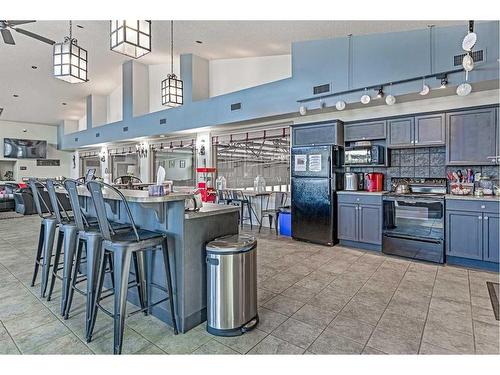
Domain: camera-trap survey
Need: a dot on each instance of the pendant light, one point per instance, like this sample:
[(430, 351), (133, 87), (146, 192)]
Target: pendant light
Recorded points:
[(70, 60), (131, 37), (171, 87)]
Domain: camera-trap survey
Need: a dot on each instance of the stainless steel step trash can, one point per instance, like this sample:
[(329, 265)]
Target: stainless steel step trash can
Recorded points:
[(232, 285)]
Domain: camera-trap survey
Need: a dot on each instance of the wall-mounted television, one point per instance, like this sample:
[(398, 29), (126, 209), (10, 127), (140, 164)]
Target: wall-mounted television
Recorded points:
[(24, 148)]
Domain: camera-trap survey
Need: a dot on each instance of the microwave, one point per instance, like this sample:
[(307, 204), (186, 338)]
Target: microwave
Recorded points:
[(364, 155)]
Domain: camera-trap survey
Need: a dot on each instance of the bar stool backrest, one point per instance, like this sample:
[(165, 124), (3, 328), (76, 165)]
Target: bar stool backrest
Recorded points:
[(57, 207), (72, 189), (95, 188), (35, 185), (239, 195)]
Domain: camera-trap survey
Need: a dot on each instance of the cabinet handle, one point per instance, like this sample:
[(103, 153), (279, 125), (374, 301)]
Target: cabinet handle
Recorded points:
[(480, 217), (486, 218)]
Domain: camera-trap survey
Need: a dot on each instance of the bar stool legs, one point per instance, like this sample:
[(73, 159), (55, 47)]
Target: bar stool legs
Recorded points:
[(50, 232), (70, 243), (39, 252), (122, 259)]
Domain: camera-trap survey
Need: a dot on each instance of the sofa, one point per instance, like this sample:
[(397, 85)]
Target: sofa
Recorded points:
[(7, 202), (25, 205)]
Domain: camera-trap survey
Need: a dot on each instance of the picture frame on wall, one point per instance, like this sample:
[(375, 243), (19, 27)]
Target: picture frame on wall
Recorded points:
[(182, 164)]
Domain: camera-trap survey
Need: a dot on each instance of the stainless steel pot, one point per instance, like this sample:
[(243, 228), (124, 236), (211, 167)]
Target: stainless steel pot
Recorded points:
[(403, 188)]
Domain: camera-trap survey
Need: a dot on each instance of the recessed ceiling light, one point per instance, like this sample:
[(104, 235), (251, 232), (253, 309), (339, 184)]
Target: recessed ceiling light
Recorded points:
[(15, 96), (199, 42), (34, 67)]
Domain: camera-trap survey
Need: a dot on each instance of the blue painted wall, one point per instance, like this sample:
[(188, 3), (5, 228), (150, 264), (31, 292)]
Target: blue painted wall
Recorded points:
[(375, 59)]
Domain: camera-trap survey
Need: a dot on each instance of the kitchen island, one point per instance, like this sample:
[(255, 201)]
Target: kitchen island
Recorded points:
[(187, 233)]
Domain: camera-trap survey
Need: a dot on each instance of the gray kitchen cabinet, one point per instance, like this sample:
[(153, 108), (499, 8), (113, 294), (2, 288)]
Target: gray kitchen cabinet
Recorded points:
[(491, 238), (360, 218), (430, 130), (320, 133), (471, 137), (464, 234), (347, 221), (400, 132), (365, 131), (370, 224)]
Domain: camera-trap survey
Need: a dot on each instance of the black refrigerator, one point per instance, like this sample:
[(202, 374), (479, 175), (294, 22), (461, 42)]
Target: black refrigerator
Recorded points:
[(315, 180)]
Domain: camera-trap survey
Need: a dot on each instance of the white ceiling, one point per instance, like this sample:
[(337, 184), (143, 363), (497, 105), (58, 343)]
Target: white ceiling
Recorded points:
[(41, 95)]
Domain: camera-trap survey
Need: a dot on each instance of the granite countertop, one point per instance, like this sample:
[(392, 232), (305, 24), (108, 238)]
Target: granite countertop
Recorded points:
[(494, 198), (210, 209), (362, 192), (139, 196)]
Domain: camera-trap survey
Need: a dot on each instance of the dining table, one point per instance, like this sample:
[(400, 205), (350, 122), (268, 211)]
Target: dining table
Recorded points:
[(187, 233)]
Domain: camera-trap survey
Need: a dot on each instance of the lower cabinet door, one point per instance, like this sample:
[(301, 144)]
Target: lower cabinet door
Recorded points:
[(370, 224), (491, 243), (464, 234), (347, 222)]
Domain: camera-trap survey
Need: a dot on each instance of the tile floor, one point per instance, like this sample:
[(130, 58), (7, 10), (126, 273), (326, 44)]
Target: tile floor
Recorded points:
[(312, 300)]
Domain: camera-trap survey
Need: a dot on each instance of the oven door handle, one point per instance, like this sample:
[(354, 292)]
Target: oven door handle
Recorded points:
[(412, 238)]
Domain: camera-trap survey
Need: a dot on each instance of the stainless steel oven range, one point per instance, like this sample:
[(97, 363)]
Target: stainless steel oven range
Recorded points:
[(414, 221)]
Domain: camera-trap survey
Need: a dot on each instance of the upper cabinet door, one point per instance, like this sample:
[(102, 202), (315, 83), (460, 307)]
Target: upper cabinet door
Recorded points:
[(365, 131), (491, 243), (471, 137), (430, 130), (400, 132)]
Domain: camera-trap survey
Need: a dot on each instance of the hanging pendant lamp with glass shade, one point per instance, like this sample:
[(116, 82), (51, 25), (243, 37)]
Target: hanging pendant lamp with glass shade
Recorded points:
[(131, 37), (172, 94), (70, 60)]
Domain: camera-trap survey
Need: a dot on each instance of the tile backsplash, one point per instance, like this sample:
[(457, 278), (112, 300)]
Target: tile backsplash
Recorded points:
[(422, 162)]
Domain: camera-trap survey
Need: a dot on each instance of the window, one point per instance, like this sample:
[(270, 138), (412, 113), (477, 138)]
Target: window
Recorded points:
[(242, 157)]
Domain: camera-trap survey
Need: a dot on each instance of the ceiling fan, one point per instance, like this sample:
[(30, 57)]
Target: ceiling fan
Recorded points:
[(7, 35)]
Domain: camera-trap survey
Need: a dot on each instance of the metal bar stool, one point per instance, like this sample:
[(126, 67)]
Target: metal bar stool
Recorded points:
[(123, 246), (272, 213), (48, 228), (88, 237), (243, 201), (66, 235)]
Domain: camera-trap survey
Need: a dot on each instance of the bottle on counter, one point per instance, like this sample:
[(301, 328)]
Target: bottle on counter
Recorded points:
[(220, 183), (259, 184)]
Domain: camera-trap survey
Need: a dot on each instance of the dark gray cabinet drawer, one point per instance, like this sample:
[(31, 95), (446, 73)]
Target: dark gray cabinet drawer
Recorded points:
[(471, 137), (400, 132), (365, 131), (360, 198), (472, 205), (430, 130)]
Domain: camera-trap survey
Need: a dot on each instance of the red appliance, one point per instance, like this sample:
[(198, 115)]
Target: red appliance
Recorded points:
[(374, 181), (205, 184)]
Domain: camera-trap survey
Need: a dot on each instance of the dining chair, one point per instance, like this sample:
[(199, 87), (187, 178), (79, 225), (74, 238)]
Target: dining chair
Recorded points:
[(273, 212)]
